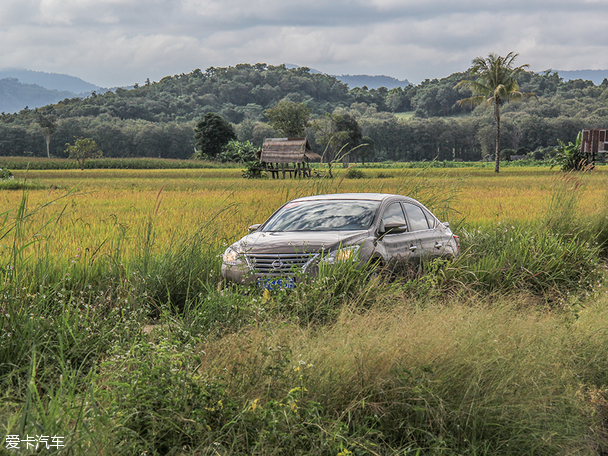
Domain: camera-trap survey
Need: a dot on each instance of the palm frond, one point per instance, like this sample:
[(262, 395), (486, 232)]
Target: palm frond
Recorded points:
[(477, 87), (472, 101)]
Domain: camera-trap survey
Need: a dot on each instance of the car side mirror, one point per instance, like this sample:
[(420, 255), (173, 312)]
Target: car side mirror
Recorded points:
[(446, 224), (393, 227), (253, 228)]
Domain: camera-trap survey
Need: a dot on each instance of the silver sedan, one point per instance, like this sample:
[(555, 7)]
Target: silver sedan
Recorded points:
[(368, 228)]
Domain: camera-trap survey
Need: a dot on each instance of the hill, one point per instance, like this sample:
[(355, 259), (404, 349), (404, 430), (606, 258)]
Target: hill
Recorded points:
[(15, 96), (371, 82), (157, 119), (597, 76), (21, 88), (51, 81)]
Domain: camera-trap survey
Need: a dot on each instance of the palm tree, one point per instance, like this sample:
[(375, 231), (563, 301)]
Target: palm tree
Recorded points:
[(48, 126), (495, 83)]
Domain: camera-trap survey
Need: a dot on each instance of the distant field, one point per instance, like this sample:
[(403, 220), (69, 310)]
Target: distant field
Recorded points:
[(410, 115), (106, 163), (94, 203), (404, 115)]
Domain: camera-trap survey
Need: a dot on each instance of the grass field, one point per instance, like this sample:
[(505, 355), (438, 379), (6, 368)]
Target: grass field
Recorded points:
[(405, 115), (117, 335), (102, 203)]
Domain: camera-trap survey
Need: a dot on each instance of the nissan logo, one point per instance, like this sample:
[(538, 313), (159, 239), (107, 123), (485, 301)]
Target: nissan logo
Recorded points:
[(277, 264)]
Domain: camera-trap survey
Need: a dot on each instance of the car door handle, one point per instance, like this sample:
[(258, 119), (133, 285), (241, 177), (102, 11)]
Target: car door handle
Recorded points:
[(413, 248), (438, 245)]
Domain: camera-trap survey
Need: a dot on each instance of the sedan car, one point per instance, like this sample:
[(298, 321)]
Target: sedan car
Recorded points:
[(370, 228)]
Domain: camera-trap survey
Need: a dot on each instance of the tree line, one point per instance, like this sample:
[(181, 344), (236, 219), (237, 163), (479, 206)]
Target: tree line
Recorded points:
[(418, 122)]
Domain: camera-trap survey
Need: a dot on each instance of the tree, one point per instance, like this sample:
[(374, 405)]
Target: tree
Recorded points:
[(495, 83), (48, 127), (238, 152), (82, 150), (211, 134), (289, 117), (340, 133)]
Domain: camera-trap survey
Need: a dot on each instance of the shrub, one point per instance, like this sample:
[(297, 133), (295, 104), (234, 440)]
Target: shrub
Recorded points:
[(239, 152), (354, 173), (569, 156), (6, 174), (158, 400), (254, 170)]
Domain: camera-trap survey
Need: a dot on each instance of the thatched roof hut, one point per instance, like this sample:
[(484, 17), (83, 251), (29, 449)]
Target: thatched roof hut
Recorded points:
[(287, 150)]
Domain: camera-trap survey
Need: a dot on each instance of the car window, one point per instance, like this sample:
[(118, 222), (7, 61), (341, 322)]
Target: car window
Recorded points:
[(416, 217), (429, 218), (394, 213), (333, 215)]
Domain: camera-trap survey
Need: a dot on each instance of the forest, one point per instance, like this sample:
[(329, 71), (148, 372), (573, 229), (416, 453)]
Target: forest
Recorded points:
[(419, 122)]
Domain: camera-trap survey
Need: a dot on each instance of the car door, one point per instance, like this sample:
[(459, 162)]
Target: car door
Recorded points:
[(397, 245), (432, 243)]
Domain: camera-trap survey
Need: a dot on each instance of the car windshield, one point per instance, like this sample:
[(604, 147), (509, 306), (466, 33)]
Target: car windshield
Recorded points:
[(326, 215)]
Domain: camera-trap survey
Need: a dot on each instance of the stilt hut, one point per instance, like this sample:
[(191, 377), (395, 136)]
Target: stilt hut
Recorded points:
[(281, 156), (594, 142)]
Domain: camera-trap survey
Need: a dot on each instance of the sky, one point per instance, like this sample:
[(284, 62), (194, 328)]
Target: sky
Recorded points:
[(122, 42)]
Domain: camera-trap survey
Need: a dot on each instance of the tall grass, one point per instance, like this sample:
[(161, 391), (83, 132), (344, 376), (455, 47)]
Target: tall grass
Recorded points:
[(132, 344), (20, 185), (520, 258), (556, 256), (459, 379)]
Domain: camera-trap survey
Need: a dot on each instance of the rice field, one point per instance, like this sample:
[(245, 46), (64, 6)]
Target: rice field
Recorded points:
[(98, 204), (117, 336)]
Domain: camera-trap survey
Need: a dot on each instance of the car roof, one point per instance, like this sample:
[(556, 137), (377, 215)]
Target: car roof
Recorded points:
[(354, 196)]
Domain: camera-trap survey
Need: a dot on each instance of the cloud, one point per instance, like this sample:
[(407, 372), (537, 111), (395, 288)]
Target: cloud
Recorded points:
[(120, 42)]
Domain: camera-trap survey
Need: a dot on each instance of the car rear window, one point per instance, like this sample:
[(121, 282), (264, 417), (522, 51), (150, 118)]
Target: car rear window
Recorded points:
[(328, 215), (416, 217)]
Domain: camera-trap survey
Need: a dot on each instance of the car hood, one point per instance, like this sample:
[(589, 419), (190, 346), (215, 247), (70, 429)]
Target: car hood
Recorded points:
[(297, 241)]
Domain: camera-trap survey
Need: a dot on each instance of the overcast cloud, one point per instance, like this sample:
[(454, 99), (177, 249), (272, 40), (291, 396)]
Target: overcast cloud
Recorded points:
[(122, 42)]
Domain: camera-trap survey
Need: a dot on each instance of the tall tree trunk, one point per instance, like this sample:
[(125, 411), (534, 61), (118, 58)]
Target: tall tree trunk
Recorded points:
[(48, 146), (497, 119)]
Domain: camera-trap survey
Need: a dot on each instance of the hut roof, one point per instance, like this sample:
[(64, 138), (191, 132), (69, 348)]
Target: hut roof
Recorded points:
[(287, 150)]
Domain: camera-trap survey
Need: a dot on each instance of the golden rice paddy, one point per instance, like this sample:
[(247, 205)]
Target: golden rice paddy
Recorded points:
[(88, 208)]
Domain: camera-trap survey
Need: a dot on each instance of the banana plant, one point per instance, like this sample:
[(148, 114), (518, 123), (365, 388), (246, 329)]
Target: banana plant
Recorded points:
[(569, 157)]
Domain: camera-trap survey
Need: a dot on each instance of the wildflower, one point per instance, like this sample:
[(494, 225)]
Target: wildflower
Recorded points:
[(254, 405)]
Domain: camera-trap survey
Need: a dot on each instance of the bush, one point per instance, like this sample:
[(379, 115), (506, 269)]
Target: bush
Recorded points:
[(5, 174), (354, 173), (569, 156), (157, 399), (254, 170), (239, 152)]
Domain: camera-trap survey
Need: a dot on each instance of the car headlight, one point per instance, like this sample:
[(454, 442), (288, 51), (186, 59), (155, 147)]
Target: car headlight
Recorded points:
[(230, 256), (342, 254)]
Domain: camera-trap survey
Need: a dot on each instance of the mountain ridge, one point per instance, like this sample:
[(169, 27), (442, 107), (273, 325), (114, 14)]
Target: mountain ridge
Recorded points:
[(50, 81), (372, 82), (21, 88), (596, 76)]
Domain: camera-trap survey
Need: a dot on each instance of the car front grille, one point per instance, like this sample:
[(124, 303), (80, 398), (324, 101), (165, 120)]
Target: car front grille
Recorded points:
[(279, 263)]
